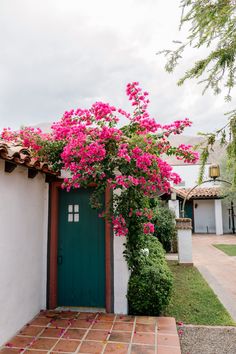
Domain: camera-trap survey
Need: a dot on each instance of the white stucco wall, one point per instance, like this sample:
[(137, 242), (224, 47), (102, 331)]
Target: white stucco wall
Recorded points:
[(121, 277), (218, 217), (23, 248), (184, 238), (174, 206), (204, 216)]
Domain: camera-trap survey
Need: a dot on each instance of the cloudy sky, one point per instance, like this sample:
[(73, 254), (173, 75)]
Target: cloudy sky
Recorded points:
[(63, 54)]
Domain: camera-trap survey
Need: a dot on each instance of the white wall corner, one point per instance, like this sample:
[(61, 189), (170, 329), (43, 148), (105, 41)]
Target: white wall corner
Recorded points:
[(23, 249), (45, 245), (218, 217), (121, 277), (174, 206), (185, 246)]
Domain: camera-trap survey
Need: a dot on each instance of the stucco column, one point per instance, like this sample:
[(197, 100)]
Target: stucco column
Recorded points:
[(174, 206), (184, 236), (121, 277), (218, 217)]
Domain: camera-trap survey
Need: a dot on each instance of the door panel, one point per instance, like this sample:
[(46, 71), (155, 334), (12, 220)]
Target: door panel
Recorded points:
[(81, 251)]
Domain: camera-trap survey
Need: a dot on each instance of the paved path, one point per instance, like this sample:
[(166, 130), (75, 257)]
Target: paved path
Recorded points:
[(217, 268)]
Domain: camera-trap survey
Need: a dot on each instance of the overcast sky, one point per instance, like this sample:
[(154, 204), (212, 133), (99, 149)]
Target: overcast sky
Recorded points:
[(62, 54)]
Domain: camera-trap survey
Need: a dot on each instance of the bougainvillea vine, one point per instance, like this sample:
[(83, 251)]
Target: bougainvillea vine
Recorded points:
[(90, 145)]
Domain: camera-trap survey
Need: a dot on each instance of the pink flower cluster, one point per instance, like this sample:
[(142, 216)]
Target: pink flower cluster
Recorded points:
[(28, 137), (95, 149), (148, 228), (119, 225)]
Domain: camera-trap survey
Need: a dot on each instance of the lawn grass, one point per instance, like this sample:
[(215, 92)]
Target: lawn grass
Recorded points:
[(193, 301), (230, 250)]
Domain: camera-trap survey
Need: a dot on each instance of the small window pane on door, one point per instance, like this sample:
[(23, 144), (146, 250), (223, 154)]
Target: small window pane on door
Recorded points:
[(76, 217), (73, 213), (70, 217)]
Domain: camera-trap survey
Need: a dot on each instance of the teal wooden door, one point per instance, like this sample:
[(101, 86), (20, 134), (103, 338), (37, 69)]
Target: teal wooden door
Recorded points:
[(189, 211), (81, 251)]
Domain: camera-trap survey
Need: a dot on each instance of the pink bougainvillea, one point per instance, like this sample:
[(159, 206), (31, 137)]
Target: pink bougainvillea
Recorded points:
[(148, 228), (90, 145)]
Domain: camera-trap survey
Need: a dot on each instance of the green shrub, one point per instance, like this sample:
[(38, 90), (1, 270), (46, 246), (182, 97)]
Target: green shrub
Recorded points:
[(151, 281), (165, 230)]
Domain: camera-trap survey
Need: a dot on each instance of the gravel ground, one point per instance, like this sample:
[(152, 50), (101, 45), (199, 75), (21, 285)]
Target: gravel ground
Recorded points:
[(208, 340)]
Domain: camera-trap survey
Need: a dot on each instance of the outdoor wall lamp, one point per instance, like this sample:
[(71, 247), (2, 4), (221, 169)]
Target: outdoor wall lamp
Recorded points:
[(214, 171)]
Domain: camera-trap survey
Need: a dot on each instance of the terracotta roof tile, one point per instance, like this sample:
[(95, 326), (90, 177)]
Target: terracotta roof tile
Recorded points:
[(199, 192), (22, 156)]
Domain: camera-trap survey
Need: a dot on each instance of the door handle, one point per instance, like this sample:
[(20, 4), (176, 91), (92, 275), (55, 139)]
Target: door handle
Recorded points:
[(59, 260)]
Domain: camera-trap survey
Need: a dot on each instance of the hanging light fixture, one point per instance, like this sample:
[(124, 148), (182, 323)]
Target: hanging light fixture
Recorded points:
[(214, 171)]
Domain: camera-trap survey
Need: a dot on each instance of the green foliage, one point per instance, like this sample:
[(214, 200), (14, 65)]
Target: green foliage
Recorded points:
[(136, 256), (212, 25), (165, 230), (227, 174), (150, 283), (51, 152)]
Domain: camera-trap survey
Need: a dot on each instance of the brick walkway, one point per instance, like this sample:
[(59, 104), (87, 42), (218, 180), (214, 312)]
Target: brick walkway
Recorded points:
[(74, 332)]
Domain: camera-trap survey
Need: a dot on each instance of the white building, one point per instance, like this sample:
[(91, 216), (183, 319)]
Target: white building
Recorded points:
[(209, 212)]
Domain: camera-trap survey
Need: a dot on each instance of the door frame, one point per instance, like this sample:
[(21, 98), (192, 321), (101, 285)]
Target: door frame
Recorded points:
[(53, 248)]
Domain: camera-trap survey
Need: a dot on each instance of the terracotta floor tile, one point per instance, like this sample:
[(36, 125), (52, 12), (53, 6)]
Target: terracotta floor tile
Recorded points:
[(62, 332), (91, 347), (167, 323), (116, 348), (168, 350), (31, 331), (80, 324), (87, 315), (140, 327), (123, 318), (41, 321), (146, 319), (49, 313), (106, 317), (20, 342), (122, 326), (144, 338), (28, 351), (60, 323), (102, 325), (168, 339), (68, 314), (167, 330), (52, 332), (123, 337), (97, 335), (142, 349), (74, 333), (68, 346), (43, 343)]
